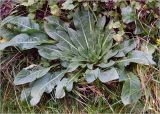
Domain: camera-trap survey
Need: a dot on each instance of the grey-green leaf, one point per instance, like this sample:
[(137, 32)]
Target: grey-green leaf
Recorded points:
[(60, 93), (68, 5), (25, 41), (106, 65), (125, 47), (44, 84), (73, 66), (108, 75), (5, 33), (127, 14), (50, 52), (101, 22), (91, 75), (69, 85), (56, 30), (25, 94), (131, 90), (23, 23), (139, 57), (26, 75)]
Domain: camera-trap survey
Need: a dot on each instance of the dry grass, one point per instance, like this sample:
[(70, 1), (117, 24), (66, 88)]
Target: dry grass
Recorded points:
[(84, 99)]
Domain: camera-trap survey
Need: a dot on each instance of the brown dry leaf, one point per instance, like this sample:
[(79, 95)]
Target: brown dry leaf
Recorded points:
[(114, 24), (118, 37), (55, 10), (2, 40)]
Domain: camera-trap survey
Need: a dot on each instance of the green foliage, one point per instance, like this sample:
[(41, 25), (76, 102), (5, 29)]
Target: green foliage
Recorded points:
[(26, 76), (22, 24), (22, 32), (25, 41), (88, 50), (43, 84), (131, 91), (68, 5), (127, 14)]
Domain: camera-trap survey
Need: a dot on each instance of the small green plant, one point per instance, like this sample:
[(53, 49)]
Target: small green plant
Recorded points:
[(87, 52)]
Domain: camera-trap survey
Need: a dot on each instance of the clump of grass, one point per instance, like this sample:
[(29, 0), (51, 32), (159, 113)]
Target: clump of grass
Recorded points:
[(150, 82)]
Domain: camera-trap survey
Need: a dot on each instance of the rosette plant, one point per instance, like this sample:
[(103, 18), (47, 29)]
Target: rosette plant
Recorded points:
[(87, 52)]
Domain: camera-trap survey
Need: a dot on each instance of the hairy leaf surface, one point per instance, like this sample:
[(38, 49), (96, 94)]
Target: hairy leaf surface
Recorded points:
[(131, 91), (27, 75)]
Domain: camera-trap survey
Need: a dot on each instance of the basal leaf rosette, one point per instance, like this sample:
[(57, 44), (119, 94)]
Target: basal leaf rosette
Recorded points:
[(87, 52)]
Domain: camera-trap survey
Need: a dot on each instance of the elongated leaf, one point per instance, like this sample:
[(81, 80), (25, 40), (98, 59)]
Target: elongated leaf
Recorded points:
[(107, 65), (108, 75), (73, 66), (44, 84), (54, 25), (25, 94), (23, 23), (69, 85), (60, 93), (139, 57), (61, 85), (75, 38), (26, 75), (125, 47), (109, 55), (83, 21), (5, 33), (24, 41), (101, 22), (49, 52), (57, 31), (131, 90), (122, 72)]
